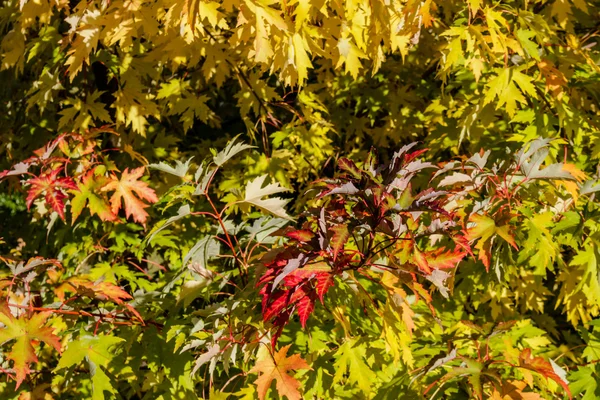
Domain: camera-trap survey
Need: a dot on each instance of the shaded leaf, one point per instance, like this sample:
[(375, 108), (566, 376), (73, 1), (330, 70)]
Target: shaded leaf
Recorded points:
[(230, 151)]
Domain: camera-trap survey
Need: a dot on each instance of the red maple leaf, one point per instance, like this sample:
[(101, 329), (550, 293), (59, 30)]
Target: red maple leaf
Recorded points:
[(54, 189), (324, 282), (306, 306), (300, 235)]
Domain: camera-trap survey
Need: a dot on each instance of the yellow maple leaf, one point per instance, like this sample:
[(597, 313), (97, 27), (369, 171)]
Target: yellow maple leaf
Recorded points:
[(350, 56), (301, 58), (88, 29)]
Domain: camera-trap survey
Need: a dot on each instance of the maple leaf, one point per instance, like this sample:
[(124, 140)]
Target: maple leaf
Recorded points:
[(100, 290), (133, 107), (18, 169), (420, 259), (203, 251), (179, 170), (53, 187), (300, 290), (193, 9), (305, 307), (544, 368), (85, 194), (524, 37), (324, 282), (584, 382), (276, 367), (530, 161), (275, 304), (25, 331), (82, 113), (503, 86), (301, 60), (339, 238), (555, 80), (540, 245), (350, 55), (230, 151), (485, 229), (98, 351), (255, 193), (350, 167), (88, 29), (292, 265), (513, 390), (350, 358), (301, 235), (191, 108), (125, 188), (442, 259)]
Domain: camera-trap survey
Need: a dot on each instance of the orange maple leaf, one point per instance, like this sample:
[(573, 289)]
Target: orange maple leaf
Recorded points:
[(514, 390), (125, 188), (542, 367), (555, 80), (25, 331), (438, 259), (100, 290), (485, 230), (276, 367)]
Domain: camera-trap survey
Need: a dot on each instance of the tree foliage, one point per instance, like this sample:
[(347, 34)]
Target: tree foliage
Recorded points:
[(299, 199)]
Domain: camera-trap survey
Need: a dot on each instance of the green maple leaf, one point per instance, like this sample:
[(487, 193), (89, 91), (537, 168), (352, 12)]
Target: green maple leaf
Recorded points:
[(507, 92), (218, 395), (350, 359), (86, 195), (485, 229), (585, 381), (98, 351), (524, 37), (540, 246), (24, 331), (82, 113)]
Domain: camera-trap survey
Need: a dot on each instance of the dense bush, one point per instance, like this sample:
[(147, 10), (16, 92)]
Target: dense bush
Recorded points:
[(360, 199)]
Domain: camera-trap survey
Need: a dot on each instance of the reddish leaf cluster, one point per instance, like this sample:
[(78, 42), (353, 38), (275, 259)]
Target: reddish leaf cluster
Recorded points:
[(68, 165), (283, 292), (369, 213)]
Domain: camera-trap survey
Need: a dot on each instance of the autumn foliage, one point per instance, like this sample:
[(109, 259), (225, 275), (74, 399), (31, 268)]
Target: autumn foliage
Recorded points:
[(331, 199)]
